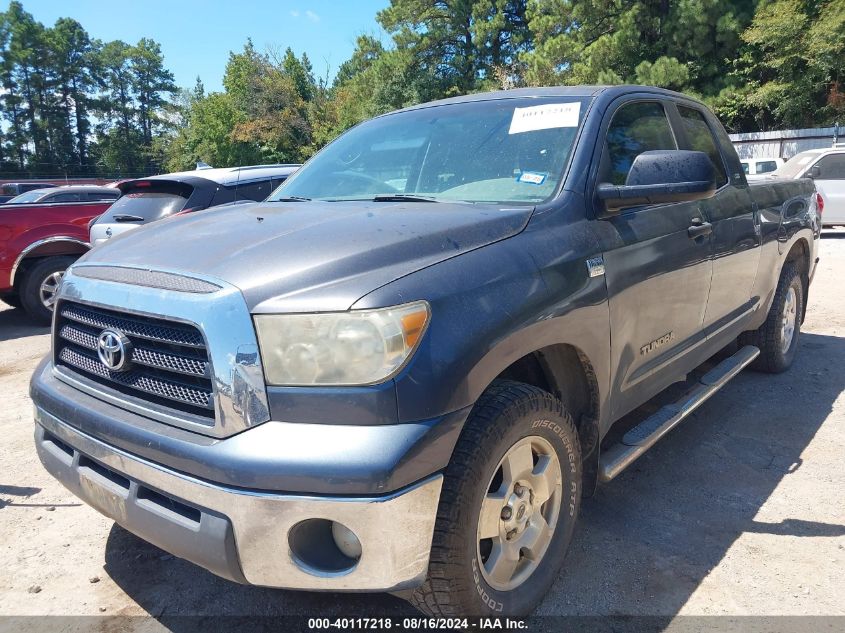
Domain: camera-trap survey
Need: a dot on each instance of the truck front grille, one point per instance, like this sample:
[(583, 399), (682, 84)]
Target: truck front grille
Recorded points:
[(168, 361)]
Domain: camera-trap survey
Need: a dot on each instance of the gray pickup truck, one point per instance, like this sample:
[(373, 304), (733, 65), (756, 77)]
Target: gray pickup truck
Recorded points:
[(404, 370)]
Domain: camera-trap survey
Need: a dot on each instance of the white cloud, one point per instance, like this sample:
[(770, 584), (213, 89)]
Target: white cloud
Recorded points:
[(312, 16), (294, 14)]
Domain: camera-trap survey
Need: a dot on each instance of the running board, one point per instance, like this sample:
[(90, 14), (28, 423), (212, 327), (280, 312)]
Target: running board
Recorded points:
[(645, 435)]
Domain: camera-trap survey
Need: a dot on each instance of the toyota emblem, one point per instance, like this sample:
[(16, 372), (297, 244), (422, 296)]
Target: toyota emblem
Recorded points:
[(114, 349)]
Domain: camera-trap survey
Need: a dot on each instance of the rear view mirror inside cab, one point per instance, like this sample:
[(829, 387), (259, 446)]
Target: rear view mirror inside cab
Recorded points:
[(659, 177)]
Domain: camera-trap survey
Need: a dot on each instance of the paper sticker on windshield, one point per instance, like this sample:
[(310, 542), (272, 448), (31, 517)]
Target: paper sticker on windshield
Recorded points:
[(544, 117), (532, 177)]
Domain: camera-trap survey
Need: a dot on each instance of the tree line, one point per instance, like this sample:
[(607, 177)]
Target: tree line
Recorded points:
[(76, 105), (760, 64)]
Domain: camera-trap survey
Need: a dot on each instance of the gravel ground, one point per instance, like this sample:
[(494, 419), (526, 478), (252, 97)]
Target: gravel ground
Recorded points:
[(740, 511)]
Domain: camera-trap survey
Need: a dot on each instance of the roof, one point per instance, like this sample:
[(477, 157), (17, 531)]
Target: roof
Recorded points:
[(82, 188), (79, 188), (549, 91), (230, 175)]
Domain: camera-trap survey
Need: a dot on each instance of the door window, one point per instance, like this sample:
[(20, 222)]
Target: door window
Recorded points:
[(102, 195), (257, 191), (701, 140), (831, 167), (64, 197), (635, 128)]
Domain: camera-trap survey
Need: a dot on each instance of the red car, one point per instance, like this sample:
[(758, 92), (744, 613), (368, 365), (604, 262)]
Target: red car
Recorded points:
[(38, 241)]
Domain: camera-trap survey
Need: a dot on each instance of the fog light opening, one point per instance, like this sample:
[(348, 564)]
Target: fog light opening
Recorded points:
[(321, 547)]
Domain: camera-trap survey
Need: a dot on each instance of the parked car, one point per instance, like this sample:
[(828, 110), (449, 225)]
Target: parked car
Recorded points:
[(67, 193), (39, 240), (827, 169), (759, 166), (403, 370), (11, 189), (149, 199)]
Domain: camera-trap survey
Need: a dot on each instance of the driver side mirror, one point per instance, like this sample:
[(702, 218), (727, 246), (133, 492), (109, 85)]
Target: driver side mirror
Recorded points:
[(660, 177), (814, 172)]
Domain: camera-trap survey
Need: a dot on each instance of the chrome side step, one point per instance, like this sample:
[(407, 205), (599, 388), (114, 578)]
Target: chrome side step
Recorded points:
[(645, 435)]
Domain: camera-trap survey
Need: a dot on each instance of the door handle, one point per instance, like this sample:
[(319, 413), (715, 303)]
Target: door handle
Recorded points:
[(699, 229)]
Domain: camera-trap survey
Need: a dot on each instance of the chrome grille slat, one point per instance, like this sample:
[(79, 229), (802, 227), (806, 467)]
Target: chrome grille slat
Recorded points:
[(135, 327), (171, 390), (141, 355), (170, 365)]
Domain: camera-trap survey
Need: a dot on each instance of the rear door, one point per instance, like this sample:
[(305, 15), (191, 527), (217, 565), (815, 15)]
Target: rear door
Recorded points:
[(829, 175), (658, 277), (736, 237)]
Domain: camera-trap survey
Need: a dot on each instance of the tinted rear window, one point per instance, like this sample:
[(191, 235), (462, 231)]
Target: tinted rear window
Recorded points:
[(150, 203), (257, 191)]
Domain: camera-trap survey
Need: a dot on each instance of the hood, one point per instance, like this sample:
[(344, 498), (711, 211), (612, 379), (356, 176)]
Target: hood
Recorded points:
[(311, 256)]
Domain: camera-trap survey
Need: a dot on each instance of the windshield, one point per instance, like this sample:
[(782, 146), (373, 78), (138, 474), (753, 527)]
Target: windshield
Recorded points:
[(29, 196), (796, 165), (503, 151)]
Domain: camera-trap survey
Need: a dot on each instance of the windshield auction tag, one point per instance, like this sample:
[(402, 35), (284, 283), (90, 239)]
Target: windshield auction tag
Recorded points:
[(544, 117), (532, 177)]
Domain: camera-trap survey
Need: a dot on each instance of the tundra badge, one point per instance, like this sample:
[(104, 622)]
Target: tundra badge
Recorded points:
[(595, 266)]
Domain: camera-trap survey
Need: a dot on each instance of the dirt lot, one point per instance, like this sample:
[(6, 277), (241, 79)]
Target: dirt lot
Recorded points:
[(740, 511)]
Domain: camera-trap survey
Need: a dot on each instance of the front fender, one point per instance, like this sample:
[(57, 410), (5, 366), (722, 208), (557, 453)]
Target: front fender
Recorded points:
[(495, 305)]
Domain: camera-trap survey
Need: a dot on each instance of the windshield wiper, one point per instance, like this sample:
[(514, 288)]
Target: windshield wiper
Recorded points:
[(403, 197), (291, 199), (125, 217)]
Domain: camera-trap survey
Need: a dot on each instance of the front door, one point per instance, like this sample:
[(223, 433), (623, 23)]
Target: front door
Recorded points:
[(657, 275)]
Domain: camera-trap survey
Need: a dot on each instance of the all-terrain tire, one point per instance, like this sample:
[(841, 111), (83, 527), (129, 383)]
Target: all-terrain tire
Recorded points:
[(30, 288), (505, 415), (777, 354)]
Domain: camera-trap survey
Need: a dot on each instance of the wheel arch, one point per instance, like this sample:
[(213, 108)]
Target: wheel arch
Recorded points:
[(58, 245), (799, 255), (565, 371)]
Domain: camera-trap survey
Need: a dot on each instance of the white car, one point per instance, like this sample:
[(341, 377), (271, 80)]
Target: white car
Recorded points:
[(827, 168), (759, 166)]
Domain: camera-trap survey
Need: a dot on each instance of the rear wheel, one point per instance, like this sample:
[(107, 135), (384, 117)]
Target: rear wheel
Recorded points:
[(778, 337), (508, 507), (40, 287)]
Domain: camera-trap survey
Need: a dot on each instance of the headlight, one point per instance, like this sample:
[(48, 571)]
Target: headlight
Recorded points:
[(344, 348)]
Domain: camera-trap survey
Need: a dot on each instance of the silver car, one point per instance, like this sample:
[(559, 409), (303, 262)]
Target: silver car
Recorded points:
[(827, 169), (149, 199), (66, 193)]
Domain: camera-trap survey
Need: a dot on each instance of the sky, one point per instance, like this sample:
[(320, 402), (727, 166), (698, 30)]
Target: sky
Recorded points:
[(196, 36)]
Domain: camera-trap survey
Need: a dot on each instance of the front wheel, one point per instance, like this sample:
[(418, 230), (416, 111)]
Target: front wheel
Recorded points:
[(40, 287), (508, 507)]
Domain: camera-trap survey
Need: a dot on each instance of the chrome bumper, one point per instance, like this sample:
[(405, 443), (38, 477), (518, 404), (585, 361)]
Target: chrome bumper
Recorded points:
[(243, 534)]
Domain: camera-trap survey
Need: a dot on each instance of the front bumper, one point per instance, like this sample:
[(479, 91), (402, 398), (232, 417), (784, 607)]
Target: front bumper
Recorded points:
[(242, 534)]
